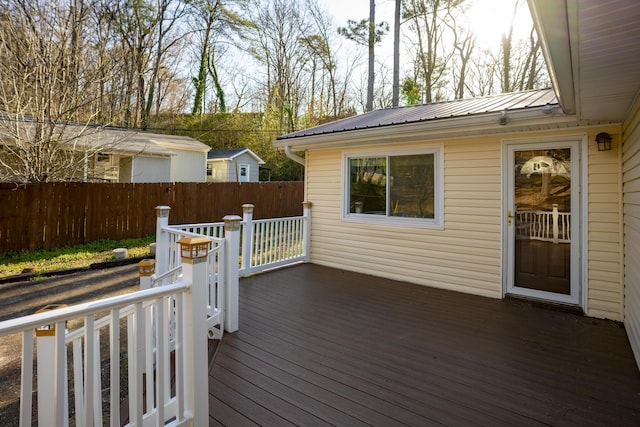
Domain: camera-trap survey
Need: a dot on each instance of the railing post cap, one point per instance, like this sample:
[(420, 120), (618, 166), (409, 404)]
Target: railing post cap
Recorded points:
[(232, 222), (146, 267), (248, 207), (162, 211), (307, 204)]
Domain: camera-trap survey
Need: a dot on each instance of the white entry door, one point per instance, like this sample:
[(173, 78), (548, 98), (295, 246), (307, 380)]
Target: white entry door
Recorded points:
[(543, 221)]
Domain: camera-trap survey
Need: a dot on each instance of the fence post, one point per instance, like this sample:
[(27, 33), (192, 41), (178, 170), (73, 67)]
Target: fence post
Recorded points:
[(247, 239), (306, 230), (194, 270), (231, 292), (162, 239)]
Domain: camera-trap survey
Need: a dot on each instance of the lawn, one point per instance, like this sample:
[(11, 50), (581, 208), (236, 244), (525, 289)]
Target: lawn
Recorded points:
[(71, 257)]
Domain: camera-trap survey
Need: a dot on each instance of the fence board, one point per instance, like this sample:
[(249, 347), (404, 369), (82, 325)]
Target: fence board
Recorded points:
[(52, 215)]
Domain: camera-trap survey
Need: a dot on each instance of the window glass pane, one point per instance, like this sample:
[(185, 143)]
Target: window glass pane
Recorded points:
[(412, 186), (368, 185)]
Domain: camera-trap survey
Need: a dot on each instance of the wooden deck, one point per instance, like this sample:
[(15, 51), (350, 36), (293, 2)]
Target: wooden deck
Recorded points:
[(319, 346)]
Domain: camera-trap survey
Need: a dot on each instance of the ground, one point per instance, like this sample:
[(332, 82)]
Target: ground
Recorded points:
[(24, 298)]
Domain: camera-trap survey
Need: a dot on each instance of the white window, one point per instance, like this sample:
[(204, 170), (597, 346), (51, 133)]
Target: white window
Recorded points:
[(402, 188), (209, 169)]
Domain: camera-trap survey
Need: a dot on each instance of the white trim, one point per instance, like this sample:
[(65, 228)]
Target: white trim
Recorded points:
[(579, 206), (436, 223)]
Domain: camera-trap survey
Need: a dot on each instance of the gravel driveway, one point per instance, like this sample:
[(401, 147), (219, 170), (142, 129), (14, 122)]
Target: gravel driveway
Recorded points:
[(24, 298)]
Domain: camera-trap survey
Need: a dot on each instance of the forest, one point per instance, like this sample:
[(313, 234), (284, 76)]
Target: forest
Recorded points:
[(231, 73)]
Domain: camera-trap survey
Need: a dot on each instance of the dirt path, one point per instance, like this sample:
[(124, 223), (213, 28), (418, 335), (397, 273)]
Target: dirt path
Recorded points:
[(24, 298)]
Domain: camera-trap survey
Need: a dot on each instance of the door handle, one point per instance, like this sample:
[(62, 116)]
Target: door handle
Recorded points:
[(509, 217)]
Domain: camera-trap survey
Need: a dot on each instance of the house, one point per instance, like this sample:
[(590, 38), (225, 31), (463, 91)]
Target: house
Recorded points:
[(236, 165), (149, 157), (120, 155), (533, 195)]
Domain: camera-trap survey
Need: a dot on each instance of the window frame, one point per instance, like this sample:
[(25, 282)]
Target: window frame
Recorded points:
[(437, 222)]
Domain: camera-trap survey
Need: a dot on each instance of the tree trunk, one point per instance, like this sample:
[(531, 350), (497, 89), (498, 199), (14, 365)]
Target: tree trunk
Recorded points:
[(372, 42), (395, 97)]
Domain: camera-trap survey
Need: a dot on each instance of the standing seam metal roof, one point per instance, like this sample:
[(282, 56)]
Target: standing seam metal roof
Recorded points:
[(433, 111)]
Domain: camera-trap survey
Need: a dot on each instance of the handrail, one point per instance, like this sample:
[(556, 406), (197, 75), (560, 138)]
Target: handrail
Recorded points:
[(33, 321)]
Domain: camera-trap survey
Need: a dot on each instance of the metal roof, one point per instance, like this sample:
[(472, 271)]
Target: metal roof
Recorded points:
[(434, 111), (224, 154)]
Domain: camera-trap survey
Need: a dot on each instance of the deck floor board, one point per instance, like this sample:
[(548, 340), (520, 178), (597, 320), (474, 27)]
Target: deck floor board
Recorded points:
[(320, 346)]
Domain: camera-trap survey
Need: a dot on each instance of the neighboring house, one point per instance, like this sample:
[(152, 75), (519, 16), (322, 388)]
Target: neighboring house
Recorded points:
[(238, 165), (504, 195), (119, 155), (150, 157)]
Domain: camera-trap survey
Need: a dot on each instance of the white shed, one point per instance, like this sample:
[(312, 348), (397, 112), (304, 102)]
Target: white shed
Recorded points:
[(237, 165), (148, 157)]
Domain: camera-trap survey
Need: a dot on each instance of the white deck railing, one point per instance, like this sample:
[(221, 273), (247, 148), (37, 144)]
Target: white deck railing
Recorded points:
[(548, 226), (145, 338), (99, 338), (265, 243)]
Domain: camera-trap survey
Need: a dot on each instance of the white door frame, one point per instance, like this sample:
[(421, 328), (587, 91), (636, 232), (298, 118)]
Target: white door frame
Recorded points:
[(577, 144)]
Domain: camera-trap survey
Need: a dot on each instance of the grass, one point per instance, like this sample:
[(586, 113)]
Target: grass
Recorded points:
[(71, 257)]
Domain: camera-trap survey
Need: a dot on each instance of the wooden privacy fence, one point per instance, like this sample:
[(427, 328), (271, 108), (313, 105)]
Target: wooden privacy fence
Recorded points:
[(53, 215)]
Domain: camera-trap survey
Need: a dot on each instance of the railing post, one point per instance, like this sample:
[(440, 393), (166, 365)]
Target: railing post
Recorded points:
[(194, 270), (306, 230), (146, 268), (555, 223), (231, 292), (247, 239), (51, 379), (162, 239)]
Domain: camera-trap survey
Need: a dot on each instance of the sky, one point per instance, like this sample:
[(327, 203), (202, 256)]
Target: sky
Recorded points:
[(489, 18)]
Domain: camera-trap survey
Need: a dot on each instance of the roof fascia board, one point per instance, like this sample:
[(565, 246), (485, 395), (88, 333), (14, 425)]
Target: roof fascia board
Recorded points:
[(551, 20), (249, 152), (435, 129)]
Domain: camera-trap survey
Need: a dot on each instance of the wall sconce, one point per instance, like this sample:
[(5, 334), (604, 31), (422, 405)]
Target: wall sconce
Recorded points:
[(194, 247), (603, 140)]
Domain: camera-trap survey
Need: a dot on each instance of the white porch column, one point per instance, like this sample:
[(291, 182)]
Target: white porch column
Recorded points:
[(196, 376), (231, 292), (247, 239), (306, 232), (162, 239)]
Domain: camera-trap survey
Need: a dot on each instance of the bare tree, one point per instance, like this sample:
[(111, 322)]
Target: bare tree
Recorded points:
[(277, 44), (46, 92), (427, 19), (168, 14), (463, 45)]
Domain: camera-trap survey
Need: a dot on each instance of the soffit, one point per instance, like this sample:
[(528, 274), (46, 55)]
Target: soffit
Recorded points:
[(592, 48)]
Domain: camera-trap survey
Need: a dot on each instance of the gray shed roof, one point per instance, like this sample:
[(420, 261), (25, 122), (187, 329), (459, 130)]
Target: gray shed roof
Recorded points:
[(232, 154), (433, 111)]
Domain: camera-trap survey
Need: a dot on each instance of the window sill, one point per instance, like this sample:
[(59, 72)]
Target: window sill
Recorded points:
[(393, 221)]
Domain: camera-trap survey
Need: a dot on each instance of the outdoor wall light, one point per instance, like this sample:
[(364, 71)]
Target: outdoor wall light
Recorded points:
[(194, 247), (603, 140)]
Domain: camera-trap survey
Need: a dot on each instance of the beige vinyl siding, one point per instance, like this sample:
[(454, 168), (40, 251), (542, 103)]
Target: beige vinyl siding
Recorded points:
[(465, 256), (631, 190), (605, 267)]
